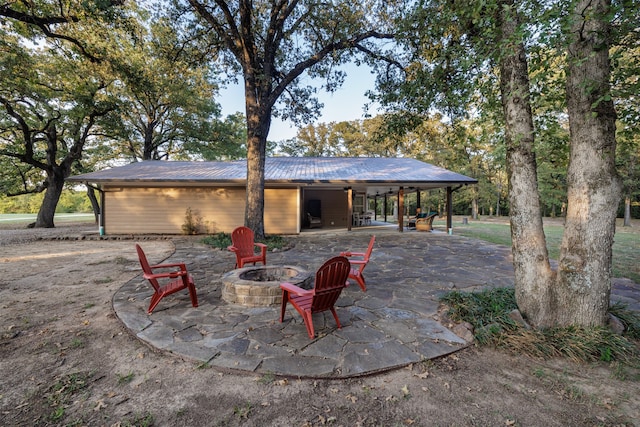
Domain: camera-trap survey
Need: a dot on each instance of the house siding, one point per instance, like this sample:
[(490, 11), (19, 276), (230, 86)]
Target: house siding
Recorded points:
[(280, 211), (153, 210)]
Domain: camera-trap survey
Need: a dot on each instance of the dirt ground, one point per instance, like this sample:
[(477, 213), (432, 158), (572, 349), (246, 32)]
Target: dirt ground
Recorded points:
[(65, 359)]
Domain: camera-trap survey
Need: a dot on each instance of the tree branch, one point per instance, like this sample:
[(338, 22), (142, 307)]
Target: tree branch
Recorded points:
[(6, 11), (353, 42), (43, 24)]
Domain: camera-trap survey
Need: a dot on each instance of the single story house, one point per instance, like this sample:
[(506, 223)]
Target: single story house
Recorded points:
[(153, 196)]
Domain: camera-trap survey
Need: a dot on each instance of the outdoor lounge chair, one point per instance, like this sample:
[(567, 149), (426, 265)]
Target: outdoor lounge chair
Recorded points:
[(426, 224), (330, 280), (180, 279), (411, 221), (358, 265), (243, 246), (314, 221)]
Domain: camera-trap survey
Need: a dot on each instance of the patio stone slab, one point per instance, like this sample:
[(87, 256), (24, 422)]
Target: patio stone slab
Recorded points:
[(158, 334), (132, 318), (189, 335), (361, 333), (235, 361), (366, 358), (327, 347), (300, 366), (191, 351)]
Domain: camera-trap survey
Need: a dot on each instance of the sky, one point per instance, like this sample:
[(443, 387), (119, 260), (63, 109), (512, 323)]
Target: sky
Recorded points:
[(345, 104)]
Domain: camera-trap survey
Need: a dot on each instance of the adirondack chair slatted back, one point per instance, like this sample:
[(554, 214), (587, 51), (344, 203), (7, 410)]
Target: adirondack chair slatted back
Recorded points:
[(242, 239), (331, 278), (146, 268), (244, 246)]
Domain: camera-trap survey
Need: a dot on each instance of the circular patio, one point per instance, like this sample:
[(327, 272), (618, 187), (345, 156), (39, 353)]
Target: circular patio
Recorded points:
[(392, 325)]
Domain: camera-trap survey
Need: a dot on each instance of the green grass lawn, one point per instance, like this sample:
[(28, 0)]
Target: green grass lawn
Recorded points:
[(21, 220), (626, 247)]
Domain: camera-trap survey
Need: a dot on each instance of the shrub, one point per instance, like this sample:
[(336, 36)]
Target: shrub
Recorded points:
[(488, 312), (192, 222), (223, 240)]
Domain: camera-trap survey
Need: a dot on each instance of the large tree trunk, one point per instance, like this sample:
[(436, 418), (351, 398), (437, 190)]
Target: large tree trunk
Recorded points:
[(55, 184), (584, 274), (533, 274), (95, 206), (258, 125), (254, 211)]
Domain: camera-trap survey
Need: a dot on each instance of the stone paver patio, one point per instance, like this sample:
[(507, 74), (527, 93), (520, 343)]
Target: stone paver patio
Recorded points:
[(392, 325)]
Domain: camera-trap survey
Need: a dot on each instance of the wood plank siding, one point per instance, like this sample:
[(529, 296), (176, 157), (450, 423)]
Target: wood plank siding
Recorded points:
[(162, 210), (280, 207)]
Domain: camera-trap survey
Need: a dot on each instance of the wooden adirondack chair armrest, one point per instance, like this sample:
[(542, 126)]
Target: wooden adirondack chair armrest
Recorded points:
[(169, 274), (290, 287), (232, 248), (358, 262), (262, 246), (350, 254)]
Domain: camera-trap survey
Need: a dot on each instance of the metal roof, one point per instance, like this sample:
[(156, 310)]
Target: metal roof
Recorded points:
[(367, 171)]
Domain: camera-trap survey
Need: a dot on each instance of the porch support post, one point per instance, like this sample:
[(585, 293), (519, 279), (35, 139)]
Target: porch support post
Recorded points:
[(449, 209), (349, 208), (385, 207), (401, 209), (101, 211), (418, 199), (375, 208)]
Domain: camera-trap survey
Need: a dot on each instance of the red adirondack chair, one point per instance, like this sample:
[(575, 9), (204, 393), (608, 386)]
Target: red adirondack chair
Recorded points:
[(181, 279), (358, 265), (243, 246), (330, 279)]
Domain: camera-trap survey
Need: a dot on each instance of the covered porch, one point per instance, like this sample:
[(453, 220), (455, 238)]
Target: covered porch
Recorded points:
[(361, 205)]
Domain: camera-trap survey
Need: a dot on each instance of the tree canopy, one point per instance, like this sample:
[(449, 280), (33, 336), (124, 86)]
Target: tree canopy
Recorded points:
[(46, 120)]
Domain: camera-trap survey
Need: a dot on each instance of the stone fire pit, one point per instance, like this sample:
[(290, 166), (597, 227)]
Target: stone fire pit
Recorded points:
[(258, 286)]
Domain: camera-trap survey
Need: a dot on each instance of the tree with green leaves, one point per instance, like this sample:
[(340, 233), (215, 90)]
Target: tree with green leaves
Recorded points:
[(50, 108), (59, 20), (53, 96), (271, 44), (467, 50), (167, 95), (226, 140), (628, 163)]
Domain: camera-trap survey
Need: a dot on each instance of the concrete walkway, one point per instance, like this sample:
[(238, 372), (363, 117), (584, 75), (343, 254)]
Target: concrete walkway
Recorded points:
[(392, 325)]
